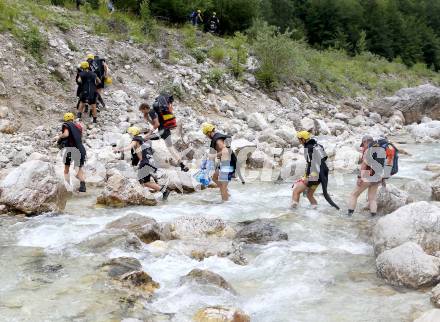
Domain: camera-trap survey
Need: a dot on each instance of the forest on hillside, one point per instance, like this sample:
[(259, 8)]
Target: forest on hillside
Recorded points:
[(402, 30)]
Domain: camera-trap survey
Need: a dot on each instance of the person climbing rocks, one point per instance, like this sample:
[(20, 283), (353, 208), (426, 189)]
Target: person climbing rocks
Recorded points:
[(88, 81), (142, 156), (162, 119), (100, 68), (220, 149), (70, 141), (213, 23), (373, 171), (78, 4), (79, 85), (316, 172), (196, 18)]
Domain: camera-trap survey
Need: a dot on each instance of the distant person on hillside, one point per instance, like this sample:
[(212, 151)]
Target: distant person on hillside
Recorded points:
[(110, 6), (196, 18), (89, 93), (162, 119), (70, 140), (213, 23), (78, 4), (100, 68)]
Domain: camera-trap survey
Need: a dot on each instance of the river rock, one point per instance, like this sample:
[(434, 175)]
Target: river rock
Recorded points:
[(435, 190), (430, 130), (220, 314), (120, 191), (257, 121), (118, 267), (408, 265), (418, 190), (417, 222), (390, 199), (205, 277), (260, 231), (106, 240), (140, 279), (181, 181), (435, 296), (197, 226), (414, 103), (429, 316), (33, 188), (145, 228)]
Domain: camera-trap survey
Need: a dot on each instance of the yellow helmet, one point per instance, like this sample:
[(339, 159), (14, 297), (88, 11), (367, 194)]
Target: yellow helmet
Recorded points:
[(207, 128), (108, 80), (305, 135), (199, 11), (84, 65), (69, 117), (133, 130), (90, 56)]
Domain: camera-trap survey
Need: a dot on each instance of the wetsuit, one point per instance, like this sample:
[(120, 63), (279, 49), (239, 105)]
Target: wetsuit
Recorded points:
[(75, 149), (88, 93), (146, 169), (227, 167)]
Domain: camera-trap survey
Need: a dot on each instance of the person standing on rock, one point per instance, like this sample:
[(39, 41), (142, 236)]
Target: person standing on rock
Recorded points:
[(220, 148), (162, 119), (316, 172), (70, 140), (142, 155), (89, 93), (100, 68)]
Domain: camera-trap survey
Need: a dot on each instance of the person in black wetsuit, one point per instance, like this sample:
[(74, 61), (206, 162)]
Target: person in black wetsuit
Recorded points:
[(142, 156), (220, 148), (99, 66), (70, 140), (161, 117), (316, 172), (88, 81)]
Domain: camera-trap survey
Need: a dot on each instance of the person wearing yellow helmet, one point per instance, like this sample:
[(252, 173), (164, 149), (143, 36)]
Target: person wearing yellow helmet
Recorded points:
[(70, 141), (99, 66), (142, 156), (220, 149), (213, 23), (316, 171), (196, 18), (87, 82)]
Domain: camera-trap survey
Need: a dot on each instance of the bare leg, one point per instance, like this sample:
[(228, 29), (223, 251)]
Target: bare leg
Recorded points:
[(372, 197), (311, 197), (153, 186), (298, 189), (224, 190), (356, 193), (66, 173), (93, 110), (81, 174)]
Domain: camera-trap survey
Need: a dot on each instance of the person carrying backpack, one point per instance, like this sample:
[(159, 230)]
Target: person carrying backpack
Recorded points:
[(213, 23), (316, 172), (100, 68), (89, 93), (70, 140), (161, 118), (378, 162)]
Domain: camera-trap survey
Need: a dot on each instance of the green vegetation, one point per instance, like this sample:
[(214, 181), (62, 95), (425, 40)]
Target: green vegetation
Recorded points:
[(238, 53), (217, 54), (199, 55), (216, 76)]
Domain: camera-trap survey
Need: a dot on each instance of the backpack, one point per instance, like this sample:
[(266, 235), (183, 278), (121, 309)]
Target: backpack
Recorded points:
[(166, 118), (387, 146), (97, 66)]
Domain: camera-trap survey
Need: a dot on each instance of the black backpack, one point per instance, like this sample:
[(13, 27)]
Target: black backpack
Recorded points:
[(384, 144), (97, 66)]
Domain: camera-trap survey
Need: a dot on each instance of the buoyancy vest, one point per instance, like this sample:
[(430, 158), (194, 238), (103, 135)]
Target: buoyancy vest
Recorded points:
[(167, 120), (146, 152), (227, 139)]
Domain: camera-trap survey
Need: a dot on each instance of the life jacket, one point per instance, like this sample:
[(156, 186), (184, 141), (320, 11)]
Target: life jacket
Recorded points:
[(167, 119), (147, 152), (227, 139), (391, 156), (97, 66), (88, 80), (74, 140)]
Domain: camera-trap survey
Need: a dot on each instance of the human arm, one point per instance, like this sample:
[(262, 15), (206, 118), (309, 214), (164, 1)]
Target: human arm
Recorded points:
[(132, 145)]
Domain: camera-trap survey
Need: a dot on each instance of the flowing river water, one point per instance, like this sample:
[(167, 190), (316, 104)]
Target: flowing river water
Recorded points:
[(324, 272)]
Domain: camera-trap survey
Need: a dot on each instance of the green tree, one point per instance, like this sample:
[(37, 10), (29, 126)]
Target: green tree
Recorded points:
[(238, 54)]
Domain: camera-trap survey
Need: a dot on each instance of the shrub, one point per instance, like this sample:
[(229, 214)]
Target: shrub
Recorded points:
[(34, 42), (217, 54), (58, 2), (148, 23), (190, 39), (199, 54), (117, 24), (216, 76), (238, 53), (127, 5), (94, 4), (8, 13)]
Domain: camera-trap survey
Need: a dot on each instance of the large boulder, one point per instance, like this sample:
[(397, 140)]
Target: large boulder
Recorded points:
[(33, 188), (260, 232), (417, 222), (205, 277), (220, 314), (197, 227), (429, 130), (418, 190), (429, 316), (408, 265), (121, 191), (390, 199), (414, 103)]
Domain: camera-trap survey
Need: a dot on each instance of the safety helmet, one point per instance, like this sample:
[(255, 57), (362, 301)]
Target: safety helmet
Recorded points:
[(133, 130), (68, 117), (84, 65), (214, 13), (90, 56), (207, 128), (199, 11), (305, 135), (108, 80)]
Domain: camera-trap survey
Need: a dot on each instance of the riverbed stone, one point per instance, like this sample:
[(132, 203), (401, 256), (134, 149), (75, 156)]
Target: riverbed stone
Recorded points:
[(197, 226), (435, 190), (417, 222), (220, 314), (408, 265), (33, 188), (429, 316), (260, 231), (206, 277), (117, 267), (390, 199), (435, 296), (106, 240)]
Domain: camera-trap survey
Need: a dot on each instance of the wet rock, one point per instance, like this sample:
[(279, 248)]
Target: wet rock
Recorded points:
[(429, 316), (145, 228), (390, 199), (435, 296), (106, 240), (408, 265), (260, 232), (118, 267), (417, 222), (33, 188), (435, 190), (196, 227), (205, 277), (414, 103), (418, 190), (220, 314), (121, 191), (430, 130), (140, 279), (181, 181)]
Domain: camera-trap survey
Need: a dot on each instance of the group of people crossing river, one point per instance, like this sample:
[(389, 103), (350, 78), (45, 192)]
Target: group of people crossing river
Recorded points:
[(378, 161)]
